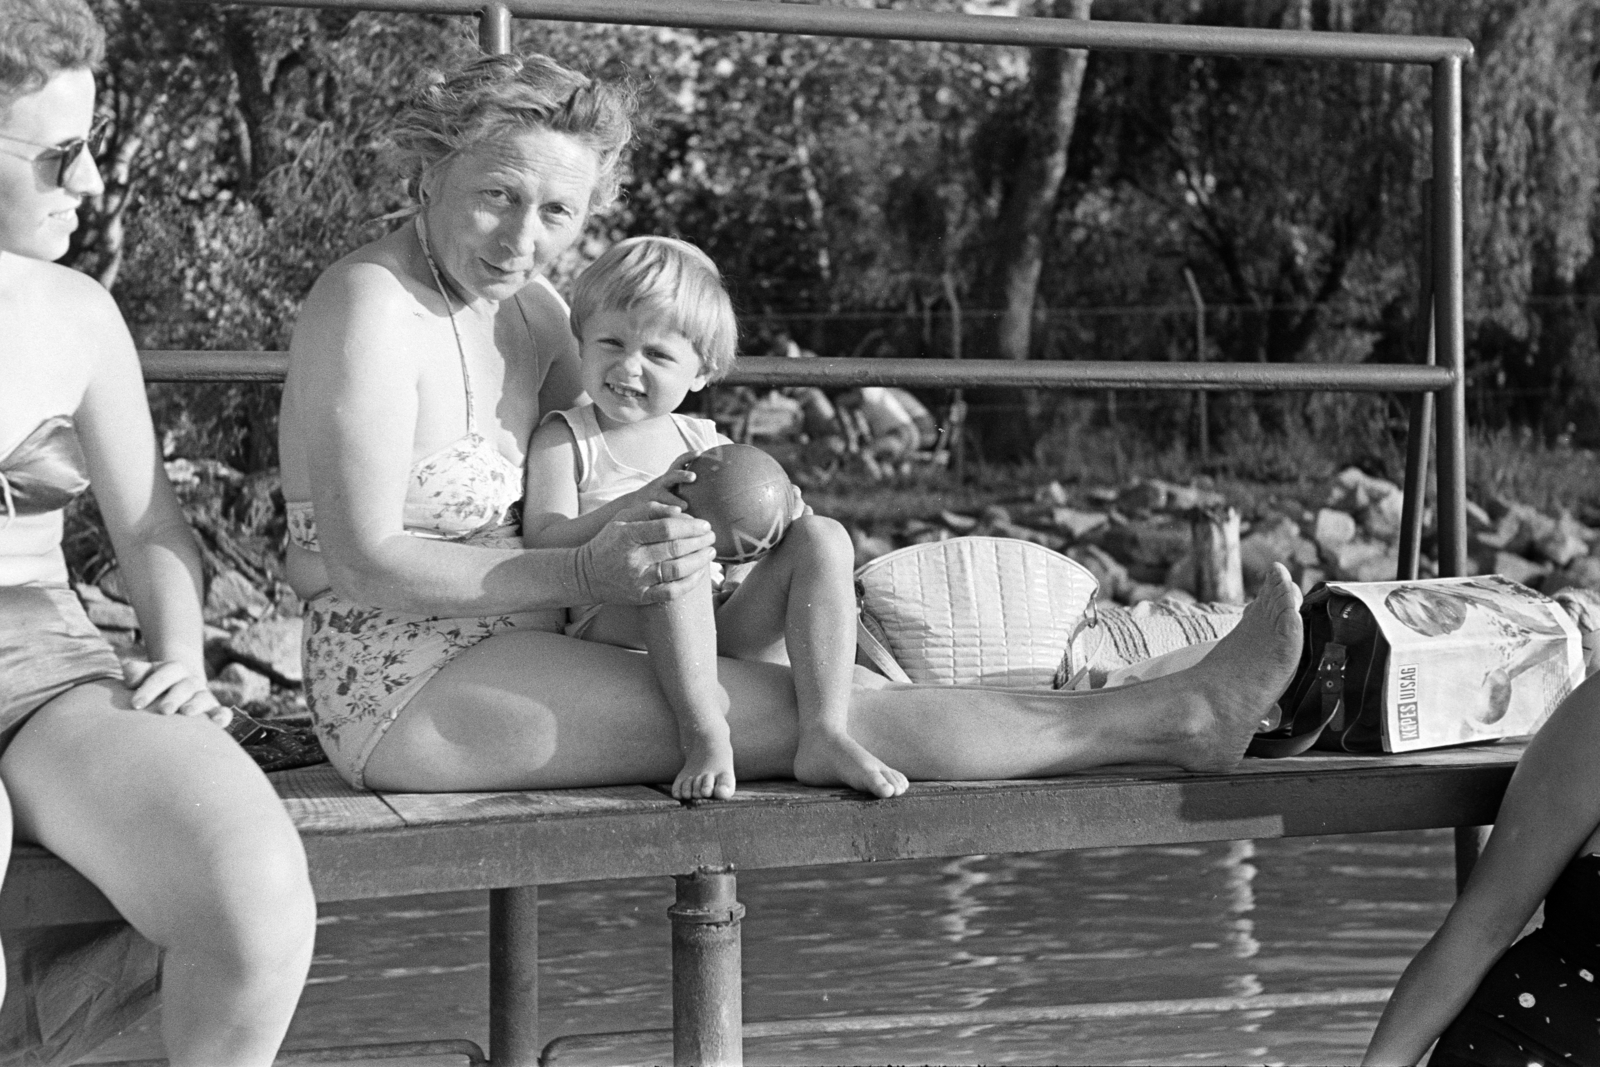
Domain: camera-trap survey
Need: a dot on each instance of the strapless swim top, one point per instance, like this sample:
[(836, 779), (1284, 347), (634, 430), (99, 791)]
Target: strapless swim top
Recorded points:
[(45, 472), (466, 491)]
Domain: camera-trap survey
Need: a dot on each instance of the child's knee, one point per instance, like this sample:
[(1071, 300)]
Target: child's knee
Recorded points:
[(822, 539)]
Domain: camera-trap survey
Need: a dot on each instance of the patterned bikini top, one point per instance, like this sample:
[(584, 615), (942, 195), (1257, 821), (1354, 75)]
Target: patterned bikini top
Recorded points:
[(467, 491), (45, 472)]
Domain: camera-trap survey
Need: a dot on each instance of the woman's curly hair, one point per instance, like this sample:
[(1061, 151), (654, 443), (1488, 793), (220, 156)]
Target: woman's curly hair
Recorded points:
[(492, 96), (41, 38)]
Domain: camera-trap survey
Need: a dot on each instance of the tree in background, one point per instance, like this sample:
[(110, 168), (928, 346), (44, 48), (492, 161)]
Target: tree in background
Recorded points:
[(907, 198)]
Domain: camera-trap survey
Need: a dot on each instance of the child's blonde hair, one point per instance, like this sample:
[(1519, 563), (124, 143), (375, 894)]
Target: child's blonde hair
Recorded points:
[(666, 277)]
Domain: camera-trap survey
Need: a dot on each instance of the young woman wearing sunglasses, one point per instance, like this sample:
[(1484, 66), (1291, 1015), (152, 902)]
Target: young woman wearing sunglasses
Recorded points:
[(121, 769)]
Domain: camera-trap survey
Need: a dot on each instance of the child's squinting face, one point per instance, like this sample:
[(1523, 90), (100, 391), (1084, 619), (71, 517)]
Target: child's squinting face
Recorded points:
[(637, 366)]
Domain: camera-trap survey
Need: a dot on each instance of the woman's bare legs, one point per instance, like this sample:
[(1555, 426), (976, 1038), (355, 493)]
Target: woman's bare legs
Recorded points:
[(537, 710), (798, 606), (181, 831)]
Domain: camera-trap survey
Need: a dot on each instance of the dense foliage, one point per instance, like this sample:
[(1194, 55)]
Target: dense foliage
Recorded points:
[(855, 190)]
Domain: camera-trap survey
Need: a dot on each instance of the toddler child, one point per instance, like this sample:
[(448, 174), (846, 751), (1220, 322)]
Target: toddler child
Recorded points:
[(653, 324)]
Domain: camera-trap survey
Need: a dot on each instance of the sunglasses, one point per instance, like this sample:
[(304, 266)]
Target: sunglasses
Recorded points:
[(66, 154)]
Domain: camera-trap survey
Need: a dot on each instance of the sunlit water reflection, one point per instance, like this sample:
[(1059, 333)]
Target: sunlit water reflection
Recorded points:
[(1226, 919)]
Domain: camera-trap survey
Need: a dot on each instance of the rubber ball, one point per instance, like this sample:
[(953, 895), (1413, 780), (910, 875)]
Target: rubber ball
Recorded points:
[(744, 494)]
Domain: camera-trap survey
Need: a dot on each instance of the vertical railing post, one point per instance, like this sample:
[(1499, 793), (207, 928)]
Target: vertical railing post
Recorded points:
[(707, 1002), (1448, 314), (514, 976), (494, 29), (1419, 408), (1450, 346)]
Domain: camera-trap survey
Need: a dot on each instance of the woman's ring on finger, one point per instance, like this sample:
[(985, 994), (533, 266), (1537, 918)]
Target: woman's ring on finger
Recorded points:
[(661, 575)]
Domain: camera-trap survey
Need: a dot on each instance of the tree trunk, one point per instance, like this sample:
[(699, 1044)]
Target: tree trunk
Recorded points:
[(1023, 228)]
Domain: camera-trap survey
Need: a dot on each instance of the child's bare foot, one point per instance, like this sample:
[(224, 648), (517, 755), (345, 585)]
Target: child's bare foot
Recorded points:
[(823, 757), (1221, 701), (707, 763)]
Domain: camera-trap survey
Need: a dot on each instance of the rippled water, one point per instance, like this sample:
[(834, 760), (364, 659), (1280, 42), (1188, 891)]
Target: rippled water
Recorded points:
[(1310, 914)]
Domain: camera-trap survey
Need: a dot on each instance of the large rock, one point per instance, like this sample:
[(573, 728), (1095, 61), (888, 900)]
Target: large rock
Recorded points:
[(1350, 561), (1078, 524), (1352, 490), (272, 647), (105, 613), (1333, 530), (1152, 545), (1520, 569), (1153, 494), (1112, 576), (1272, 540), (1581, 573), (868, 546), (1026, 533), (1381, 518), (231, 595), (1565, 543), (1382, 567), (236, 685), (958, 522)]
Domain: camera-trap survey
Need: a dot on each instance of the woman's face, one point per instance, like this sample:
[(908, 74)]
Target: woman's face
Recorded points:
[(38, 215), (500, 213)]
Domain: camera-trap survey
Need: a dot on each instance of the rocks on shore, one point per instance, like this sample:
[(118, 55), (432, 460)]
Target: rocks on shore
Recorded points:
[(1138, 540)]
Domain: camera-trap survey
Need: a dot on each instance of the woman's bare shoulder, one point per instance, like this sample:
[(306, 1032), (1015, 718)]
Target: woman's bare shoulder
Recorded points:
[(367, 294), (377, 272), (76, 297)]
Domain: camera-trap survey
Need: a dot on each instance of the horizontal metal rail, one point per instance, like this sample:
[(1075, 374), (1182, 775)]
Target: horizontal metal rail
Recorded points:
[(820, 20), (773, 371)]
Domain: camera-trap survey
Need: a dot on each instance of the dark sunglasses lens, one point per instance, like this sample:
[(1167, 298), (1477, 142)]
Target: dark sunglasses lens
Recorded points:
[(70, 154)]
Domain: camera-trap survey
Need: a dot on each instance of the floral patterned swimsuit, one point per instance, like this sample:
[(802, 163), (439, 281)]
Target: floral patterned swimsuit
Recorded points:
[(363, 664)]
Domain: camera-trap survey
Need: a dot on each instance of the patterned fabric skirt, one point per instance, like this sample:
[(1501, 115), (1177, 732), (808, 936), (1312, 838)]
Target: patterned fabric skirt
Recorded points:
[(364, 664)]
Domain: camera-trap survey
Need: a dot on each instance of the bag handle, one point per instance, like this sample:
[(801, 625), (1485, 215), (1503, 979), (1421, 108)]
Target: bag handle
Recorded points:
[(1302, 731), (871, 649)]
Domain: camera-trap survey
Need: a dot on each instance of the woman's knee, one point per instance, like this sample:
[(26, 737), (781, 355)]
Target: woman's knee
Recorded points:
[(247, 899)]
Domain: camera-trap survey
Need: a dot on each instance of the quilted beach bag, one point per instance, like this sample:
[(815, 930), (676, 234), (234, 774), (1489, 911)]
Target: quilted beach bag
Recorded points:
[(971, 611)]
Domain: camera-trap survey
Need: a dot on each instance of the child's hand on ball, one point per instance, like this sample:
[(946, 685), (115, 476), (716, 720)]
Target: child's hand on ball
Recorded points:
[(660, 491), (798, 508)]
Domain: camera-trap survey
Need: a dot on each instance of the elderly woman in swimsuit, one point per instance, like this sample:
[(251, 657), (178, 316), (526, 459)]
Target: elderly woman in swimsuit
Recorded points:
[(421, 365), (122, 770)]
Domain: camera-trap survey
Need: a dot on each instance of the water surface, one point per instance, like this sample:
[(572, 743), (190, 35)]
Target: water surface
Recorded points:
[(1226, 919)]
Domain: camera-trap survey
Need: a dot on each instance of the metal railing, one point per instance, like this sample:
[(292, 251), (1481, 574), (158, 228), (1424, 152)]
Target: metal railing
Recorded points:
[(1439, 370)]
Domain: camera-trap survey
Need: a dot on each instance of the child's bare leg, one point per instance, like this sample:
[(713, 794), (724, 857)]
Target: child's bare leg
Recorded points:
[(681, 637), (804, 592)]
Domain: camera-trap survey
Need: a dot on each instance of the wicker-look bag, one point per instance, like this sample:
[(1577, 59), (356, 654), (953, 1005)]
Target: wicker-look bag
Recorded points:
[(971, 611)]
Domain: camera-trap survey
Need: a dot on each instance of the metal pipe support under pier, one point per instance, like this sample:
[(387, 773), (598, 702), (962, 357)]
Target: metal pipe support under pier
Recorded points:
[(707, 1001)]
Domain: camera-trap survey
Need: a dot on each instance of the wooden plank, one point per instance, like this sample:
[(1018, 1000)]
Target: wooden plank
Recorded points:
[(786, 825), (420, 843), (431, 809), (320, 802)]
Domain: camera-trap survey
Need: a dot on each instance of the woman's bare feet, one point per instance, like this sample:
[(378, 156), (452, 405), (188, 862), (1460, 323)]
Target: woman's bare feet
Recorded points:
[(826, 757), (1220, 702), (707, 762)]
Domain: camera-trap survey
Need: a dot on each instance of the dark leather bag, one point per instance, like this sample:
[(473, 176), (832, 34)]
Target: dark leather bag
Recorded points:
[(1336, 699)]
